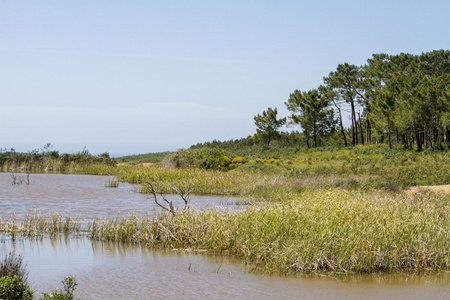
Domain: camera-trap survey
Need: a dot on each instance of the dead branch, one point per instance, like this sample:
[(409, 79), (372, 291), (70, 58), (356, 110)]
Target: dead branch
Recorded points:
[(165, 203)]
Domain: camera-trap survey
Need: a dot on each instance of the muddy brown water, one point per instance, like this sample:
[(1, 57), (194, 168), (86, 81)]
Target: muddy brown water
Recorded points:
[(114, 271), (85, 196)]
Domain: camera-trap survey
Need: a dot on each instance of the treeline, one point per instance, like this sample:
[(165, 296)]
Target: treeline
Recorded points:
[(401, 97), (48, 159)]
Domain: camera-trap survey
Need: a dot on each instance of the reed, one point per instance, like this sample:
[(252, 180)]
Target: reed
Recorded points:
[(38, 224), (326, 231), (112, 182)]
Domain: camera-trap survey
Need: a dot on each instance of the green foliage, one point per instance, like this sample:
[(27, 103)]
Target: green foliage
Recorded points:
[(112, 182), (105, 155), (267, 124), (13, 273), (206, 158), (313, 115), (13, 265), (14, 288), (142, 158), (66, 293), (49, 160), (13, 278)]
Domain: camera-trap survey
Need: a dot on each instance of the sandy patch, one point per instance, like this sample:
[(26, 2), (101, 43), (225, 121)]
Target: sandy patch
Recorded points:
[(438, 189), (146, 165)]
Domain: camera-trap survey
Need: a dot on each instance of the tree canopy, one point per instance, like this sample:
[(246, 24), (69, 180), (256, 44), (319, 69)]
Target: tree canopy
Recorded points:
[(267, 124)]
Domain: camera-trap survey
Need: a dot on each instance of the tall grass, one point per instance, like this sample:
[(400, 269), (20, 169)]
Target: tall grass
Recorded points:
[(335, 231), (39, 224), (112, 182), (331, 230)]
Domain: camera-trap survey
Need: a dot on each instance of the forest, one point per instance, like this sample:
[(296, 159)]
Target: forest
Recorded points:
[(401, 98)]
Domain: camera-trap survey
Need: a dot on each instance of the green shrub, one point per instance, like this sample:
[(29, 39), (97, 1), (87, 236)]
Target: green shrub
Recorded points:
[(206, 158), (66, 293), (225, 163), (13, 287), (13, 265)]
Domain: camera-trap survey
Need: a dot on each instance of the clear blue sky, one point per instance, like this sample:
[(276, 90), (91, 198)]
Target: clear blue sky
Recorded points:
[(133, 77)]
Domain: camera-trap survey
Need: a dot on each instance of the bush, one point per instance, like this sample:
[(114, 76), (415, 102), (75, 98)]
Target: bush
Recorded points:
[(13, 265), (13, 287), (238, 160), (206, 158), (64, 294)]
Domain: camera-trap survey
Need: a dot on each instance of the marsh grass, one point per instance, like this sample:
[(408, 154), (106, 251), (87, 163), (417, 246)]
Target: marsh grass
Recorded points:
[(335, 231), (112, 182), (38, 224), (328, 230)]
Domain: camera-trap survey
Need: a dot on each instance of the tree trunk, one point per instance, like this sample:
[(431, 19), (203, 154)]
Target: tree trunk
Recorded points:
[(425, 137), (361, 131), (307, 138), (342, 129), (368, 132), (315, 136), (389, 138), (418, 139), (354, 130), (447, 136)]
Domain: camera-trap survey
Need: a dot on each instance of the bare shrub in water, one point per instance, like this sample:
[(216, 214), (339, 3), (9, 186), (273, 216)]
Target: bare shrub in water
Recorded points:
[(167, 205)]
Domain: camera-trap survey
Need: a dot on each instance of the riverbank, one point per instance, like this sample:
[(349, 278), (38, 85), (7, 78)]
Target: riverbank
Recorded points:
[(328, 211), (326, 230)]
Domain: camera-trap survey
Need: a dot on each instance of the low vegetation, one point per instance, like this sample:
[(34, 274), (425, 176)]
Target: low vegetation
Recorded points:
[(49, 160), (331, 231), (14, 285)]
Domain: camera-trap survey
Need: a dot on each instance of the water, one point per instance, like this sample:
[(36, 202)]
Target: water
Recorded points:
[(114, 271), (84, 195)]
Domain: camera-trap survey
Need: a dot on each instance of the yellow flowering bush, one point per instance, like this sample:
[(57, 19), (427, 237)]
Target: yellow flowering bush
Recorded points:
[(269, 161), (224, 163), (238, 160), (227, 164)]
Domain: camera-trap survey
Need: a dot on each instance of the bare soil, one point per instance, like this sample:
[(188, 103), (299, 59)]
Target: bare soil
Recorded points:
[(438, 189)]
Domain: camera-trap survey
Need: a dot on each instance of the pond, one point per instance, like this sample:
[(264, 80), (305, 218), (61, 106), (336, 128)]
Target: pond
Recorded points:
[(86, 196), (115, 271)]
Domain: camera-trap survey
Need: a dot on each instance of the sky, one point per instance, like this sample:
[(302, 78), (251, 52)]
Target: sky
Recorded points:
[(131, 77)]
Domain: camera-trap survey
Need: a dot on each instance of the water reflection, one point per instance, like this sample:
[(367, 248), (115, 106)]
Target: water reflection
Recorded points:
[(117, 271)]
